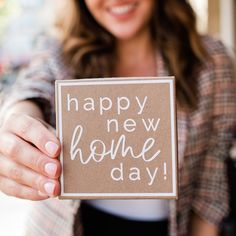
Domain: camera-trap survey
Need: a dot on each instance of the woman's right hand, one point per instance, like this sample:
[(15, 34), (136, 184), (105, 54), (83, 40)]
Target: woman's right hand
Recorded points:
[(29, 167)]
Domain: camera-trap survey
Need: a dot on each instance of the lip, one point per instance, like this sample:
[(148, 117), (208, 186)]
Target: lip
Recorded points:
[(122, 11)]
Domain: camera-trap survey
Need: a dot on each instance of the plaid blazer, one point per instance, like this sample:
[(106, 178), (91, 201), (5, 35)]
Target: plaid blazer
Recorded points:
[(204, 136)]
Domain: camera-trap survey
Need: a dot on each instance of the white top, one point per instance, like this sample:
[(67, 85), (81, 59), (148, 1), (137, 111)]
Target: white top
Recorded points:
[(145, 210)]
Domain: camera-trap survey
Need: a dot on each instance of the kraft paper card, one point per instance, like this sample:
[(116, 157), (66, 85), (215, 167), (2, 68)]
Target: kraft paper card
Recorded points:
[(118, 138)]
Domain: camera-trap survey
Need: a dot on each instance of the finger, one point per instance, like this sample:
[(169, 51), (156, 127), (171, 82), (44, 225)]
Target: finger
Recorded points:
[(25, 154), (25, 176), (33, 131), (14, 189), (48, 126)]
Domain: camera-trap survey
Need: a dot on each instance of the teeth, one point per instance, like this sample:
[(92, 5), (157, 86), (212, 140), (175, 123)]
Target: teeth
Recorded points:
[(122, 9)]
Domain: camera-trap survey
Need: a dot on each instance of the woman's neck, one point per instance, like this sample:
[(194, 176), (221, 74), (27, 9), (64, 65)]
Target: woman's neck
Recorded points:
[(136, 57)]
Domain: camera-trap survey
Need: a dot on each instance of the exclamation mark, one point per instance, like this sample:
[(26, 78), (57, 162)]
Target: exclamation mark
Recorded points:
[(165, 171)]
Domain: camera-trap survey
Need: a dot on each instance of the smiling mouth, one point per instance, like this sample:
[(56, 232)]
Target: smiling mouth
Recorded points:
[(124, 9)]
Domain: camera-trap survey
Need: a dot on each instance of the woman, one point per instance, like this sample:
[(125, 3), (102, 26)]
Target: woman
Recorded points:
[(103, 38)]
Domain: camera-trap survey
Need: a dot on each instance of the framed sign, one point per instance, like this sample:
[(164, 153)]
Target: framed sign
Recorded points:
[(118, 137)]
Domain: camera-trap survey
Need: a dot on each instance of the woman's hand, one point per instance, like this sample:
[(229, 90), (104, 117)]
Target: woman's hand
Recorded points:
[(29, 168)]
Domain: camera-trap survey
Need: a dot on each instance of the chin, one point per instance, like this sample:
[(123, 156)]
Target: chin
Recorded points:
[(124, 36)]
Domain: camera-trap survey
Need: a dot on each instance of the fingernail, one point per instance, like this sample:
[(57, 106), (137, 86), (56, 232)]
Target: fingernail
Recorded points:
[(51, 147), (49, 188), (50, 169)]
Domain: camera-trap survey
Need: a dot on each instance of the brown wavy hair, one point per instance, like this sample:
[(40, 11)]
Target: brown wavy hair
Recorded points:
[(89, 49)]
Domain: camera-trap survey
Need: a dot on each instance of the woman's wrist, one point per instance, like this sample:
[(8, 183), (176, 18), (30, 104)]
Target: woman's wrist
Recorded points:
[(26, 107), (200, 227)]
